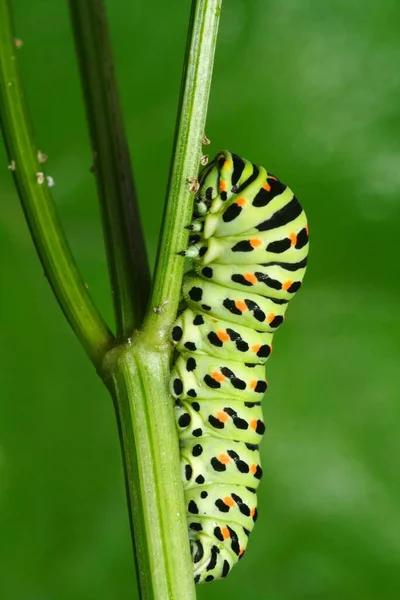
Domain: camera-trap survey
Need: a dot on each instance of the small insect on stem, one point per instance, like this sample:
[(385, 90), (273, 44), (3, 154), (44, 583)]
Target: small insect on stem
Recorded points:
[(160, 308), (41, 156), (193, 185)]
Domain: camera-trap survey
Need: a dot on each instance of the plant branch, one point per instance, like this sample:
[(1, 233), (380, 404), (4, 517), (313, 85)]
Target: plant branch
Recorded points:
[(139, 384), (139, 373), (195, 89), (40, 212), (126, 252)]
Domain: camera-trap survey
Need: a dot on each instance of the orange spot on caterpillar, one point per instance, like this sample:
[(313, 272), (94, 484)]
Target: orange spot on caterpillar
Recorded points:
[(227, 164), (217, 376), (255, 348), (224, 458), (241, 551), (223, 336), (252, 512), (222, 186), (253, 469), (240, 305), (286, 284), (255, 242), (225, 533), (241, 201), (267, 187), (306, 228), (253, 384), (229, 501), (270, 317), (253, 424), (222, 416), (293, 238), (250, 277)]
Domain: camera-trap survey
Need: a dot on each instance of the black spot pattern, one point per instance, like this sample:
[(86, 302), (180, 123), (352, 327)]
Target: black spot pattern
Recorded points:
[(216, 423), (199, 552), (217, 465), (225, 568), (190, 346), (197, 450), (296, 285), (238, 278), (190, 364), (302, 239), (178, 386), (264, 197), (177, 333), (238, 166), (222, 507), (184, 420), (211, 382), (249, 180), (193, 508), (283, 216), (243, 246), (279, 246), (214, 339), (231, 213), (261, 387), (196, 294)]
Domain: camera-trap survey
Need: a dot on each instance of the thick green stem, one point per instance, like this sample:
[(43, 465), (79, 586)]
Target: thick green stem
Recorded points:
[(126, 252), (139, 384), (40, 212), (195, 89)]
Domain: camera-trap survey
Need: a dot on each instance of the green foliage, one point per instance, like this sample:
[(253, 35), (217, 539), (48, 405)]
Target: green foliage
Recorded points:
[(310, 90)]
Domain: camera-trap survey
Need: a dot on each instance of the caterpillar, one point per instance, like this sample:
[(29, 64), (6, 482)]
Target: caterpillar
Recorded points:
[(249, 245)]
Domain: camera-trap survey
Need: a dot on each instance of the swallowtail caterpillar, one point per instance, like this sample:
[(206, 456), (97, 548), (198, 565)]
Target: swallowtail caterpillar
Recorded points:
[(249, 247)]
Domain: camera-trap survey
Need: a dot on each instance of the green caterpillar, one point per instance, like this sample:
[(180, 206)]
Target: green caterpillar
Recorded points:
[(249, 244)]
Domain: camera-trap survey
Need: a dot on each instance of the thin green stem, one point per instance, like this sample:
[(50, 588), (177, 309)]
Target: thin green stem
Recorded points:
[(46, 230), (139, 384), (196, 82), (126, 252)]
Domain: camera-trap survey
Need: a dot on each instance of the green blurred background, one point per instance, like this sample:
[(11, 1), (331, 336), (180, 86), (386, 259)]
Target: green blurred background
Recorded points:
[(311, 90)]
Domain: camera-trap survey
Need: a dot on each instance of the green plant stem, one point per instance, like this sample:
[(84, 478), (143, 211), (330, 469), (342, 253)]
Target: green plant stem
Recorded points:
[(195, 89), (139, 384), (126, 252), (46, 230), (139, 374)]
